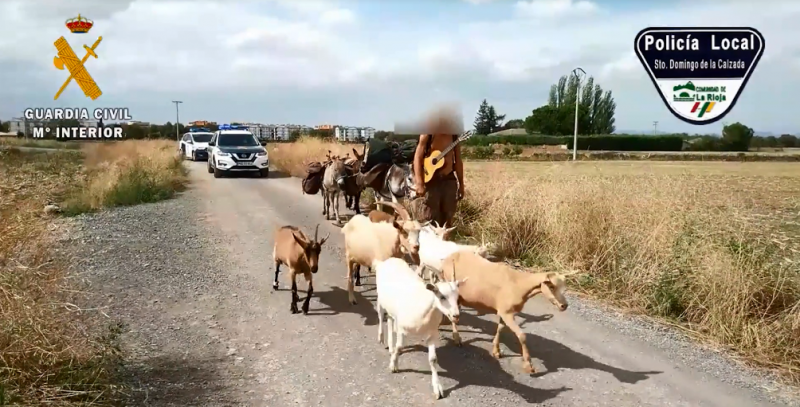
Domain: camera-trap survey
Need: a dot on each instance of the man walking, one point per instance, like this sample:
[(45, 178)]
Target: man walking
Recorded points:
[(441, 194)]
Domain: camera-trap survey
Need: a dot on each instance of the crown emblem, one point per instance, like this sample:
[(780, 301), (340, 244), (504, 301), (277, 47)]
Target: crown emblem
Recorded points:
[(79, 25)]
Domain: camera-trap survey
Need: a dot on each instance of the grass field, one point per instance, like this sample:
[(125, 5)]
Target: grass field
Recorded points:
[(712, 247), (50, 353)]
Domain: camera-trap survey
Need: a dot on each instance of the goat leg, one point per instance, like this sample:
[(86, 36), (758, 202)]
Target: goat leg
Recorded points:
[(438, 390), (350, 269), (496, 341), (295, 298), (308, 297), (357, 275), (526, 356), (277, 270), (456, 336)]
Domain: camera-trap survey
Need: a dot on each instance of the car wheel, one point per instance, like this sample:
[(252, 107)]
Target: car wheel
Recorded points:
[(210, 170), (194, 157), (218, 173), (183, 153), (264, 173)]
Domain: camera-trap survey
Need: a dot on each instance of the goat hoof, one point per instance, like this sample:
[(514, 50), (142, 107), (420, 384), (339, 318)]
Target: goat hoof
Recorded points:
[(438, 393), (353, 302), (274, 286), (528, 369), (496, 354), (294, 311), (358, 283)]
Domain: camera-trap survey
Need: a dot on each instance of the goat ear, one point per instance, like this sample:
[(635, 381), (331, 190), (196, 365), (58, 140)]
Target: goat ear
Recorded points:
[(432, 288), (398, 223)]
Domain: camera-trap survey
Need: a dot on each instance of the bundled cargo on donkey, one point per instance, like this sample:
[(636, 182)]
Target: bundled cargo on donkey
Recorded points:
[(312, 182)]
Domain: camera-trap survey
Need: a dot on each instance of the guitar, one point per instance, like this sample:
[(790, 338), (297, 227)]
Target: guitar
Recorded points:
[(435, 159)]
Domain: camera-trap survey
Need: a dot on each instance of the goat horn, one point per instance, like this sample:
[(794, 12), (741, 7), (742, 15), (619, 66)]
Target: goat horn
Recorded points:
[(316, 232)]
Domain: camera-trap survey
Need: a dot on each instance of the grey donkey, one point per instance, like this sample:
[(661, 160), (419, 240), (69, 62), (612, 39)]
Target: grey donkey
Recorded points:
[(333, 186)]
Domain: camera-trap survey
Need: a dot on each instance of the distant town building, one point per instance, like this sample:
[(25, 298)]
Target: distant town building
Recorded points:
[(353, 134), (201, 123)]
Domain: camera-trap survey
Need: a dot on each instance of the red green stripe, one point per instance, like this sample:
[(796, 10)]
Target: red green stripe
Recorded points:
[(702, 110)]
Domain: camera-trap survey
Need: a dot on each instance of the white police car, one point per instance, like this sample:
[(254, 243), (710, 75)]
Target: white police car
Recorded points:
[(194, 144), (234, 149)]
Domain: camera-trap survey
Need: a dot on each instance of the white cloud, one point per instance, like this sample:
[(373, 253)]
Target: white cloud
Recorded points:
[(555, 8), (320, 60)]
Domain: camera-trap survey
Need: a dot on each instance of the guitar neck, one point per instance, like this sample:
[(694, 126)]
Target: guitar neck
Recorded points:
[(450, 147)]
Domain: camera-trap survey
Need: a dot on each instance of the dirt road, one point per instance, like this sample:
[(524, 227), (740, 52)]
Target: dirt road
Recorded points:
[(191, 279)]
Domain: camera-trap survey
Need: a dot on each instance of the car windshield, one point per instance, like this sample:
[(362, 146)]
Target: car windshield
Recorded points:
[(237, 140), (202, 138)]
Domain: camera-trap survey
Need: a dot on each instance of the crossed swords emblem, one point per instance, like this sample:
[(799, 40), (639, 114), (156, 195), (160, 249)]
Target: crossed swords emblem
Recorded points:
[(77, 70)]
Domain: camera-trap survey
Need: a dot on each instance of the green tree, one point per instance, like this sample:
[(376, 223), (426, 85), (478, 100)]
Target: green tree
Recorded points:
[(737, 137), (599, 107), (787, 141), (4, 126), (514, 124), (294, 135), (487, 120)]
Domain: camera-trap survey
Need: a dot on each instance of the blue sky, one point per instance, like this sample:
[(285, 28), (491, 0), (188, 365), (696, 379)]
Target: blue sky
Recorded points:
[(372, 63)]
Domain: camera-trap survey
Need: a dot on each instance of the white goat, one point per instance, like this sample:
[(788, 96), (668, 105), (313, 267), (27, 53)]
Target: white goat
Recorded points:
[(433, 249), (413, 308), (366, 241)]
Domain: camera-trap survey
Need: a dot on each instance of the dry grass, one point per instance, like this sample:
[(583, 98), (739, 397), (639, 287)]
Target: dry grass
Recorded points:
[(49, 353), (293, 157), (128, 173), (711, 247)]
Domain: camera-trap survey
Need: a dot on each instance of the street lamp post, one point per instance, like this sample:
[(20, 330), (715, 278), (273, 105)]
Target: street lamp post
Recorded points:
[(177, 120), (577, 99)]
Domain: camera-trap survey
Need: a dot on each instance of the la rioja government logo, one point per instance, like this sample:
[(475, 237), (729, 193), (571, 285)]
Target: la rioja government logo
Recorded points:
[(699, 72)]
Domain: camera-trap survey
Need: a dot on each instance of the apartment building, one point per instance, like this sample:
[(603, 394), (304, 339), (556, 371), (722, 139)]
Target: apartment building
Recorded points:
[(353, 134), (201, 123)]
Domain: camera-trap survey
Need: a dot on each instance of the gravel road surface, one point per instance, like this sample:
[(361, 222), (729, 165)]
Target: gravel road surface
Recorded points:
[(191, 280)]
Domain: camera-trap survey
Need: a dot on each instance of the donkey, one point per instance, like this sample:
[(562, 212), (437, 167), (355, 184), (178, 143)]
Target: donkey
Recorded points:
[(332, 185), (394, 184), (354, 164)]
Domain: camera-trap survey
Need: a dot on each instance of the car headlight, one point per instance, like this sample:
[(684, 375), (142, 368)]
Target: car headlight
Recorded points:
[(221, 154), (261, 154)]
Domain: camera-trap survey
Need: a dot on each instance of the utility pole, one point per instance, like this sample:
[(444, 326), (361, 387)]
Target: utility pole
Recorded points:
[(655, 128), (177, 120), (577, 99)]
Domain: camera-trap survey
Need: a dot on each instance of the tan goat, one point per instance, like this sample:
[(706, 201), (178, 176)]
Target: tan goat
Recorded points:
[(380, 216), (366, 242), (496, 288), (301, 254)]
